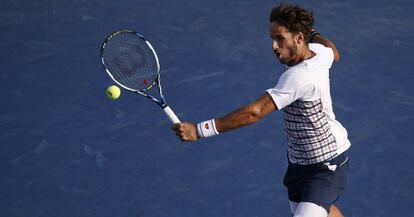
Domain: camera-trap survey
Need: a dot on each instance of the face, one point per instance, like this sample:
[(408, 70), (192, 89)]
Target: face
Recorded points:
[(284, 44)]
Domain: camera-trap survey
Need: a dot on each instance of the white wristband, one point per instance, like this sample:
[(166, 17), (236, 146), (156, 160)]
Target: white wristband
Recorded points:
[(207, 129)]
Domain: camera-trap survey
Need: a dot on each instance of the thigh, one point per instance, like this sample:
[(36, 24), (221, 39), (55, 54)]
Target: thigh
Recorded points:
[(306, 209), (294, 180), (324, 187)]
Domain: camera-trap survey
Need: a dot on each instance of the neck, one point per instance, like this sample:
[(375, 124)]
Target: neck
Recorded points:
[(302, 54)]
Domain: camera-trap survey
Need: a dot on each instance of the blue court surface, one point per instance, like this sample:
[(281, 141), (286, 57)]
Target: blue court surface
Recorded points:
[(68, 151)]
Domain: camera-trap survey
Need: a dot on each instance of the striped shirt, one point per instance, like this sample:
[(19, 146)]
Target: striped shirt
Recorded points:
[(309, 136)]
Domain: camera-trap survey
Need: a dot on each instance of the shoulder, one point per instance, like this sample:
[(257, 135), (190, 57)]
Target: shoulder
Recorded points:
[(319, 48), (325, 54)]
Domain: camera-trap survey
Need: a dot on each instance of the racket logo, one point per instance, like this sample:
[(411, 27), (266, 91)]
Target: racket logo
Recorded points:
[(141, 61), (207, 126), (130, 60)]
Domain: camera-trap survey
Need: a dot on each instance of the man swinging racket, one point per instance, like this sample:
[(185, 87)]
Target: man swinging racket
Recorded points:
[(317, 142)]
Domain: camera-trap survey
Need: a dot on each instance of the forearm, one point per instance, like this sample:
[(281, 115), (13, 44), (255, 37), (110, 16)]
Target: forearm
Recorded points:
[(327, 43)]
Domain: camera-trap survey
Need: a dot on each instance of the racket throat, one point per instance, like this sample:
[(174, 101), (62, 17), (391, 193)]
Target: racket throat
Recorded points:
[(171, 115)]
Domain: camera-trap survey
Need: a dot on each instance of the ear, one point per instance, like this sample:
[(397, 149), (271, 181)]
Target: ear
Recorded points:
[(299, 38)]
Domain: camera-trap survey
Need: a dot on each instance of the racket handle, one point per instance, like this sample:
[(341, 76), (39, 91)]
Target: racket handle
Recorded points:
[(171, 115)]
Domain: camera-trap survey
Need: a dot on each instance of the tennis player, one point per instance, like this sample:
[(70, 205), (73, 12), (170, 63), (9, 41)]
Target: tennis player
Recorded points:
[(317, 143)]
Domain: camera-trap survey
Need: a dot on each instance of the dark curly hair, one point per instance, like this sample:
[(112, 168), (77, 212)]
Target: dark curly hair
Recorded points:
[(295, 18)]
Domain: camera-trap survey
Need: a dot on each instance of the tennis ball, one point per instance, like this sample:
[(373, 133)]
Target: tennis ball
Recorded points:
[(113, 92)]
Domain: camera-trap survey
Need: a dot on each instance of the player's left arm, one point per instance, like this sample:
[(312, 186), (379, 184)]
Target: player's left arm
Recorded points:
[(246, 115), (318, 38)]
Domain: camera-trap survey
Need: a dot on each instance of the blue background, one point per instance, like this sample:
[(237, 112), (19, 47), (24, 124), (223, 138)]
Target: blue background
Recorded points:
[(66, 150)]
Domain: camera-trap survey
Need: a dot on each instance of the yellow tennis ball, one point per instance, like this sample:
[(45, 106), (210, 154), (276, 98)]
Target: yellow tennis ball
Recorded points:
[(113, 92)]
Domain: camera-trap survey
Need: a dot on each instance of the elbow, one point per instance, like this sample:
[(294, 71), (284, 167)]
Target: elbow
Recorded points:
[(262, 107), (255, 114), (337, 56)]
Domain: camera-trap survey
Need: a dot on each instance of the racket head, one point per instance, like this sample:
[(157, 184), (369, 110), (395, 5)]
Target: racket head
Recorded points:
[(130, 60)]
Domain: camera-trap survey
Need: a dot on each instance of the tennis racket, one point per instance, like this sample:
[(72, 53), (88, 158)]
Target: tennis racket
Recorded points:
[(131, 62)]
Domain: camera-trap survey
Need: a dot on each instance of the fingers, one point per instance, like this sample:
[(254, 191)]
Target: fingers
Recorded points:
[(178, 128), (180, 131), (175, 126), (185, 131)]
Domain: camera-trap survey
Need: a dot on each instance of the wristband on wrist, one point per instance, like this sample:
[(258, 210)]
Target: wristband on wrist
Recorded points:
[(207, 129), (312, 34)]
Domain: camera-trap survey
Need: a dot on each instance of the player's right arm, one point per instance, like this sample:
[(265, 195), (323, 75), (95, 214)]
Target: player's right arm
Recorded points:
[(318, 38), (246, 115)]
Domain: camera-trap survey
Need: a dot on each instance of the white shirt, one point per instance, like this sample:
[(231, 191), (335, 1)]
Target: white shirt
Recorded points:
[(309, 81)]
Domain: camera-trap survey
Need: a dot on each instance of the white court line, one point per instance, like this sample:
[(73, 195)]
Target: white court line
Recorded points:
[(201, 77)]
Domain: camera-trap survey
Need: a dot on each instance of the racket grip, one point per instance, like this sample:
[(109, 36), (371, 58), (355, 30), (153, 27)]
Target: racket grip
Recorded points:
[(171, 115)]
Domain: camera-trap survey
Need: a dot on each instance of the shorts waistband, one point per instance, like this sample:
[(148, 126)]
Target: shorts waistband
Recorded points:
[(337, 161)]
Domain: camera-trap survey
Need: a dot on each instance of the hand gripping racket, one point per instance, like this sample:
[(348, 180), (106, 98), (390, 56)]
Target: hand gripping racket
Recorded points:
[(130, 60)]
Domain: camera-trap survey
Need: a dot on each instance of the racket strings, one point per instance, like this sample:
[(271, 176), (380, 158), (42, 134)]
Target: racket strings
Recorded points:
[(131, 61)]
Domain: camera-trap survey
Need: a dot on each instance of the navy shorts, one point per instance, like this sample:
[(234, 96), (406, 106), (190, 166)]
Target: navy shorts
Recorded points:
[(317, 183)]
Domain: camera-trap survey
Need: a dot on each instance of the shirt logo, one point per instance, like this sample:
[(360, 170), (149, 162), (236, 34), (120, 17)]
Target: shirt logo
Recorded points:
[(207, 126)]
